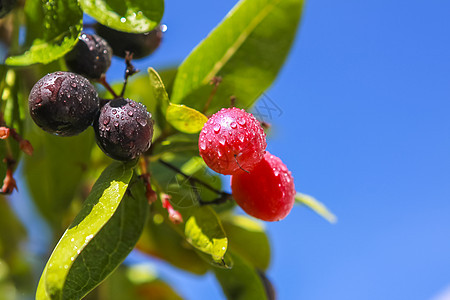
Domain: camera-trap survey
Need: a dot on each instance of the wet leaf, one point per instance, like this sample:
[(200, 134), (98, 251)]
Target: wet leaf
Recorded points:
[(316, 206), (185, 119), (247, 50), (58, 32), (130, 15), (101, 236), (204, 231)]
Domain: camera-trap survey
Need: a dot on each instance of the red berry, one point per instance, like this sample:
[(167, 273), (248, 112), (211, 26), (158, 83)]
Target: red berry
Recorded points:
[(232, 140), (267, 192)]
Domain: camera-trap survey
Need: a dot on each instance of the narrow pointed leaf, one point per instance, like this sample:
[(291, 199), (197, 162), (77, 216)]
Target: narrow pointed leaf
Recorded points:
[(101, 236), (129, 15), (158, 88), (59, 31), (246, 50), (185, 119), (316, 206), (204, 231)]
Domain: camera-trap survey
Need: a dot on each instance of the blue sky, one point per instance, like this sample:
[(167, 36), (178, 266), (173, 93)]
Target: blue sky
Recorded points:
[(365, 128)]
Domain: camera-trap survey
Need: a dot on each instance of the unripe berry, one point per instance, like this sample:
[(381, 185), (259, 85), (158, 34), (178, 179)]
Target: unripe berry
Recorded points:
[(91, 56), (124, 129), (267, 192), (63, 103), (140, 44), (232, 140)]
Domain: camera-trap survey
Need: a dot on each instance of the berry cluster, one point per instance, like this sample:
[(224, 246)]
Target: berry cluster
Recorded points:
[(232, 142), (66, 103)]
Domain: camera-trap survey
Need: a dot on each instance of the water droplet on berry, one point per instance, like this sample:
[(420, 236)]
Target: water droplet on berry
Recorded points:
[(233, 125), (241, 121), (216, 128), (203, 145), (222, 140), (116, 124), (106, 120), (130, 113), (142, 121), (74, 85)]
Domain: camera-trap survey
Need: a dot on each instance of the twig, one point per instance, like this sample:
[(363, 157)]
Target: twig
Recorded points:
[(129, 71), (102, 81), (223, 196)]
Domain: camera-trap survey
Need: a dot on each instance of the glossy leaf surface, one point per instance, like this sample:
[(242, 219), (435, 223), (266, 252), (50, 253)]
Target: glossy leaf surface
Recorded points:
[(130, 15), (100, 237), (59, 31), (246, 50)]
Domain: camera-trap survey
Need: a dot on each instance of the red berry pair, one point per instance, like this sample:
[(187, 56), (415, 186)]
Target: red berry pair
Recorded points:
[(233, 142)]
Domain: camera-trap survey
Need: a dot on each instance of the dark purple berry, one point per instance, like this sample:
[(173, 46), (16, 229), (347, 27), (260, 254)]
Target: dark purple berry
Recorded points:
[(6, 6), (140, 44), (124, 129), (91, 56), (63, 103)]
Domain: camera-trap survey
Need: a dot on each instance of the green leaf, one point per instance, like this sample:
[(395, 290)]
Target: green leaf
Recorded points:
[(204, 231), (160, 240), (247, 50), (130, 15), (54, 172), (158, 89), (185, 119), (316, 206), (101, 236), (59, 31), (248, 239), (242, 282), (159, 93)]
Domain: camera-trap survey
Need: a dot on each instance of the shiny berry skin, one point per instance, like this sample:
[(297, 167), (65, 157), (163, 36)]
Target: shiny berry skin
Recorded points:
[(63, 103), (267, 192), (91, 56), (124, 129), (232, 140), (140, 44)]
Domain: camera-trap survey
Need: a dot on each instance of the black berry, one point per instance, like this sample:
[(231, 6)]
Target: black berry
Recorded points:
[(124, 129), (91, 56), (140, 44), (6, 6), (63, 103)]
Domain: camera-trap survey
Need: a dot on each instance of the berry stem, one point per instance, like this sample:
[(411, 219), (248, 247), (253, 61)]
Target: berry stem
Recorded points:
[(102, 81), (145, 175)]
